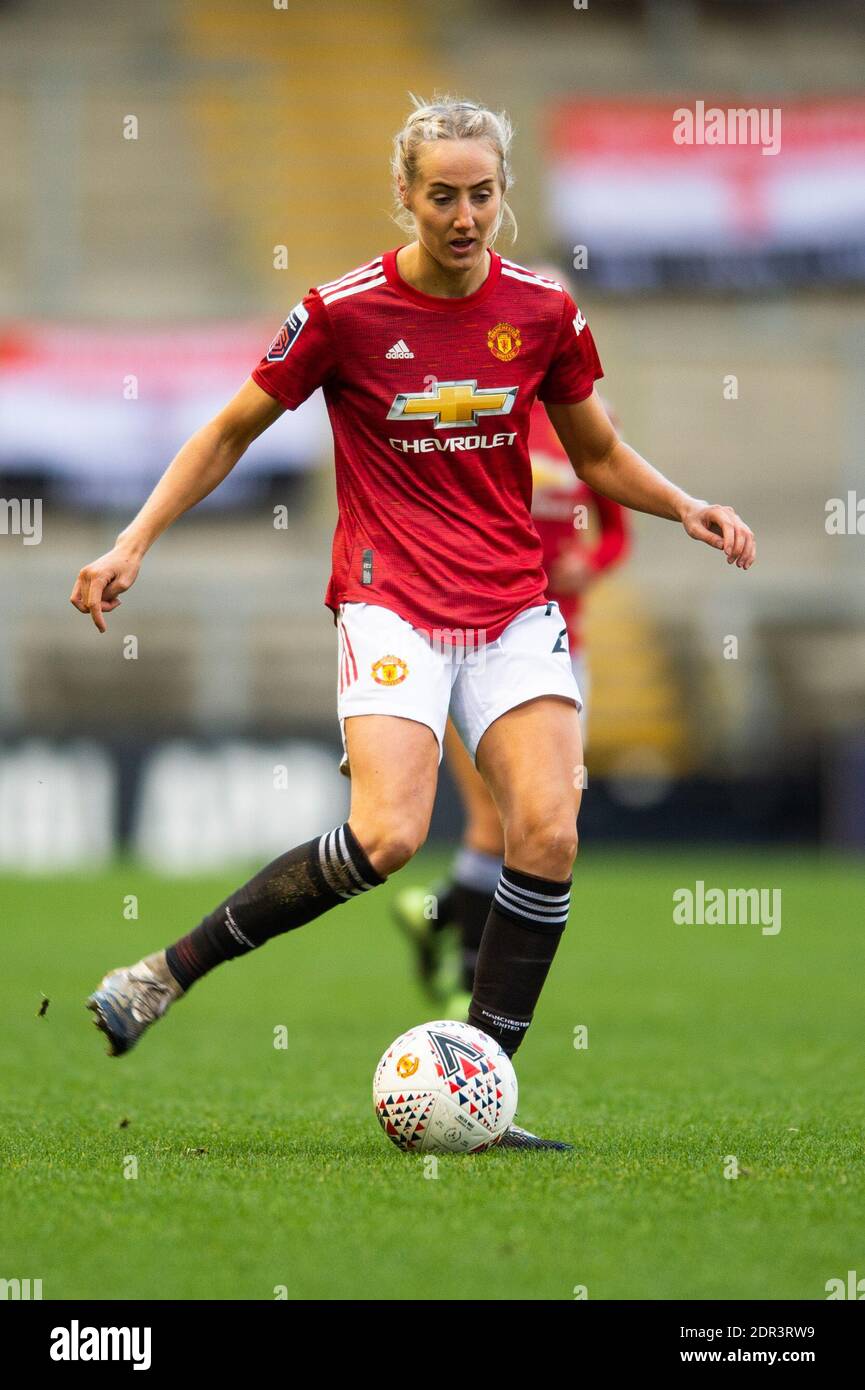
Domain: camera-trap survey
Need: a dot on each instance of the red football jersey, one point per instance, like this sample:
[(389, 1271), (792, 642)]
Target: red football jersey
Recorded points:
[(429, 399), (558, 492)]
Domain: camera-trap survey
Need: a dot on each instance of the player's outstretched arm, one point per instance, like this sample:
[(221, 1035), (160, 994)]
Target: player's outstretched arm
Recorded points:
[(614, 469), (200, 466)]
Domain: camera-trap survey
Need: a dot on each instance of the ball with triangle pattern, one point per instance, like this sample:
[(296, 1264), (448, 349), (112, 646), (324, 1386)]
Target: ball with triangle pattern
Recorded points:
[(444, 1087)]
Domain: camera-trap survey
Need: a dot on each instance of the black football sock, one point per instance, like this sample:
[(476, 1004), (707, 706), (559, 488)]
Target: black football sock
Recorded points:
[(296, 888), (476, 877), (524, 927)]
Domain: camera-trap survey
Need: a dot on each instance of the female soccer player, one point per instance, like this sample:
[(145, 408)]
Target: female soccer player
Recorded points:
[(430, 357)]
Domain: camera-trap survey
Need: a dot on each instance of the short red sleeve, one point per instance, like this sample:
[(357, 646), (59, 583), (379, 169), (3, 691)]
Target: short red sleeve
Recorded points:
[(301, 357), (575, 365)]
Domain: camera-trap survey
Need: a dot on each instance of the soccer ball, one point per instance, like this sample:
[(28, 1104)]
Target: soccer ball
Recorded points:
[(444, 1088)]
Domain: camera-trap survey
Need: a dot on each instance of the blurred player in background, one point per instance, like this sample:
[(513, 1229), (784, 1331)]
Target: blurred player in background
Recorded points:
[(562, 508)]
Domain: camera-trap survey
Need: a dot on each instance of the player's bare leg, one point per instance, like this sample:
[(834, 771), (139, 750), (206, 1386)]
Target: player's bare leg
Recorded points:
[(462, 901), (476, 867), (530, 760), (394, 773), (394, 766), (419, 913), (483, 829)]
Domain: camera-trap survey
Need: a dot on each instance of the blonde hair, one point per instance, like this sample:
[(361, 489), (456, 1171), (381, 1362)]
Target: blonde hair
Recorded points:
[(448, 118)]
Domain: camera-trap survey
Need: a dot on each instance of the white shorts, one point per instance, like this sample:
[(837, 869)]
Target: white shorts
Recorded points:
[(386, 666), (581, 676)]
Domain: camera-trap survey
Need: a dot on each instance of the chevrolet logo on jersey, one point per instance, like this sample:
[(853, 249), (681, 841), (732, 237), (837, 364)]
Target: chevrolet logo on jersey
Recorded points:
[(453, 405)]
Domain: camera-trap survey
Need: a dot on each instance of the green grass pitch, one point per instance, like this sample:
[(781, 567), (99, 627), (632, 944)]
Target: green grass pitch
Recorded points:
[(260, 1168)]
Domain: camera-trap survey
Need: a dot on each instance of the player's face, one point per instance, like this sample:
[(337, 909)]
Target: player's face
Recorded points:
[(456, 200)]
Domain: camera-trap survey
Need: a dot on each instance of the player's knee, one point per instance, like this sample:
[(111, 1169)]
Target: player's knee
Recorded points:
[(560, 847), (398, 852), (389, 844), (548, 841)]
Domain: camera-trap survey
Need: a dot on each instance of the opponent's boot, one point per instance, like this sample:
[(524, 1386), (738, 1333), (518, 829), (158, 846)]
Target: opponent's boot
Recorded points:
[(426, 936)]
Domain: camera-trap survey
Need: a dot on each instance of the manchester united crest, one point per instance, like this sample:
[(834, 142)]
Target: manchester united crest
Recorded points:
[(504, 341), (389, 670)]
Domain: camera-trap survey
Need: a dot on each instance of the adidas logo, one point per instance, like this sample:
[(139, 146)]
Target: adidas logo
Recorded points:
[(400, 349)]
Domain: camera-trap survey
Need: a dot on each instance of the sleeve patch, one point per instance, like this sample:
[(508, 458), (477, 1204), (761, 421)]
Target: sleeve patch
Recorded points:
[(288, 334)]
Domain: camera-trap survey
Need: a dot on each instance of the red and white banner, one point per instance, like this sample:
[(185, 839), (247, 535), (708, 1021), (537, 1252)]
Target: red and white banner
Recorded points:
[(704, 176), (106, 407)]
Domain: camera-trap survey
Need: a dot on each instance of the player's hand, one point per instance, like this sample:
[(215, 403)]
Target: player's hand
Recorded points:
[(570, 572), (98, 585), (721, 528)]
